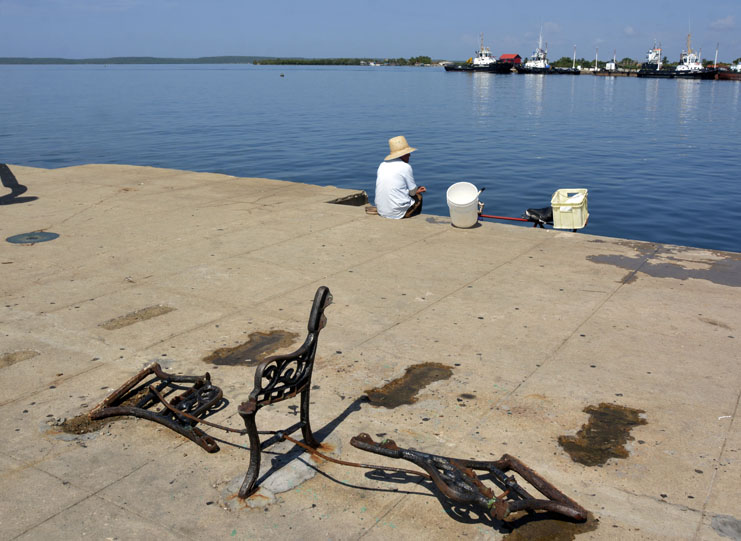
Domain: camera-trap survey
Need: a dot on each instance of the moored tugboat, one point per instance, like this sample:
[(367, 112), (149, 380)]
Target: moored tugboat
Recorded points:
[(690, 66), (483, 61), (652, 66), (538, 61)]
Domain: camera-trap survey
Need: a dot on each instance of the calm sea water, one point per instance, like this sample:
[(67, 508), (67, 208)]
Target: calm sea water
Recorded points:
[(660, 157)]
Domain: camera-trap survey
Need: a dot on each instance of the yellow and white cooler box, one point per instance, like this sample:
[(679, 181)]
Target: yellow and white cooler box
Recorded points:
[(570, 208)]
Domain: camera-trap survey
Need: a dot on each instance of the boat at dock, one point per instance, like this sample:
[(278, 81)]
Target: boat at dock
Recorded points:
[(538, 61), (652, 67), (731, 74), (573, 70), (690, 66), (565, 71), (483, 61)]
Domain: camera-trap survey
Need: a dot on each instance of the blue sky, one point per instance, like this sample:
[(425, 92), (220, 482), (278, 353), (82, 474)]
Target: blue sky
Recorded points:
[(363, 28)]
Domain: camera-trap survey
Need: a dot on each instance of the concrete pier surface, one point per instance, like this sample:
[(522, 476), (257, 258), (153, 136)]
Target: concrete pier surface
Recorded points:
[(542, 334)]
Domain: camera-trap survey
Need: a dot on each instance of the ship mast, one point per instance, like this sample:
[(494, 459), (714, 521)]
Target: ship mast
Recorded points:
[(573, 62), (540, 39)]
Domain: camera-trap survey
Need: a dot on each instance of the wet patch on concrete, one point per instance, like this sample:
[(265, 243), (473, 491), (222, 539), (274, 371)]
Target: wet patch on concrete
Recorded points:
[(136, 317), (643, 248), (548, 526), (436, 220), (725, 271), (12, 357), (259, 347), (404, 390), (727, 526), (604, 436)]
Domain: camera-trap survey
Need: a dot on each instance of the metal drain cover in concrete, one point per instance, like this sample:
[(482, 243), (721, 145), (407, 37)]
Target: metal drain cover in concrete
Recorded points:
[(33, 237)]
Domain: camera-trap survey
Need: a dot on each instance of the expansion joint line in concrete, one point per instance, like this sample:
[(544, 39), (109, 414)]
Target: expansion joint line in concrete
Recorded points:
[(234, 308), (36, 391), (560, 346), (85, 498), (82, 211), (627, 279), (354, 265), (461, 288), (258, 249), (379, 519), (192, 329), (734, 418)]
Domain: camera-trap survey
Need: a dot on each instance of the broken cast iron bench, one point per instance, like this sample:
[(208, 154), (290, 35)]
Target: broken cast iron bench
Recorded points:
[(181, 403)]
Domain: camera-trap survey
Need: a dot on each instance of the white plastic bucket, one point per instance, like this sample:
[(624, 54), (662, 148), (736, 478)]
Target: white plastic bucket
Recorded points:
[(463, 202)]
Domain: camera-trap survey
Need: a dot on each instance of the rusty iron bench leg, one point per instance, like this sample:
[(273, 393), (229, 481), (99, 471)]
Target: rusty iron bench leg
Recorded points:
[(250, 479), (305, 422)]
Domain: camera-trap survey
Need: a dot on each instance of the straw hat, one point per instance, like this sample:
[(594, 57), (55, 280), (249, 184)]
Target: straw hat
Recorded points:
[(399, 147)]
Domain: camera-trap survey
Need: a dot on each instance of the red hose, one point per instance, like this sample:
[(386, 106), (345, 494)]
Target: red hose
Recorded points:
[(503, 218)]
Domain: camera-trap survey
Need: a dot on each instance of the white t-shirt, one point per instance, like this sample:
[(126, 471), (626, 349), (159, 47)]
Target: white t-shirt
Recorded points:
[(394, 181)]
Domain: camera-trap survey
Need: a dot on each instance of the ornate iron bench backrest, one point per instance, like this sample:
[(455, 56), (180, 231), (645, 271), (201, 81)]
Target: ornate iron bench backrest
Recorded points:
[(284, 376)]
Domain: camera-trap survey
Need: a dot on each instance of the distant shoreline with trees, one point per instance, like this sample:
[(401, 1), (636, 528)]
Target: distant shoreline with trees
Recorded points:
[(134, 60), (257, 60), (413, 61), (564, 61)]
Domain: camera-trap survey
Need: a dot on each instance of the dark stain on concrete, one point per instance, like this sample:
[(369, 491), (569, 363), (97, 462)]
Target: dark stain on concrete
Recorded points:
[(725, 271), (436, 220), (404, 390), (355, 200), (548, 526), (12, 357), (727, 526), (604, 436), (714, 323), (259, 347), (135, 317)]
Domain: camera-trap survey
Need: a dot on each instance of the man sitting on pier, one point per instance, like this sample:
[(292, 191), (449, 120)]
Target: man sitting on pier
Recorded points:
[(397, 195)]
